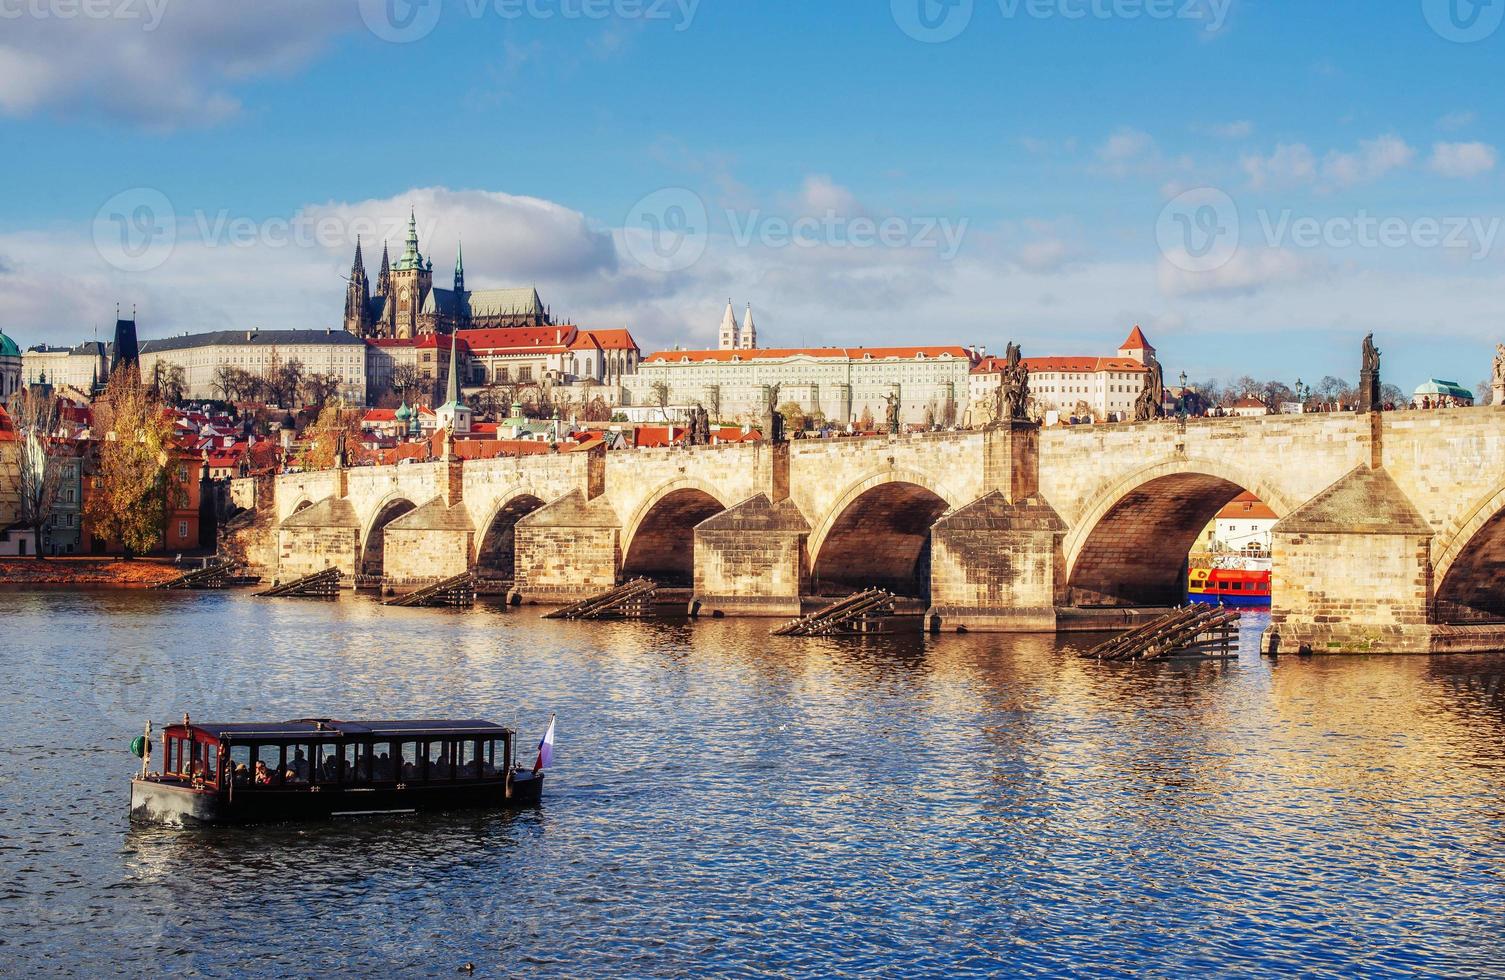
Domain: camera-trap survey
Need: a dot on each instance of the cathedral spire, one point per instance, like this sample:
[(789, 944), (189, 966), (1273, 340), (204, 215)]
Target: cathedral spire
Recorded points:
[(384, 278), (411, 257), (358, 270), (459, 267)]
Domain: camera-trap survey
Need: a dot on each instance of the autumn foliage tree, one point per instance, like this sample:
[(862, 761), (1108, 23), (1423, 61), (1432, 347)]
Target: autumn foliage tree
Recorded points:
[(322, 441), (136, 463)]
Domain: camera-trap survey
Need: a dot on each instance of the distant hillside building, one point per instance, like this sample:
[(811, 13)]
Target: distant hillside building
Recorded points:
[(841, 384), (331, 352), (1103, 388), (404, 303), (81, 368)]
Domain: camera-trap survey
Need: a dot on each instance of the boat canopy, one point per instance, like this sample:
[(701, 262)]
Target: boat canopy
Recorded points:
[(303, 729)]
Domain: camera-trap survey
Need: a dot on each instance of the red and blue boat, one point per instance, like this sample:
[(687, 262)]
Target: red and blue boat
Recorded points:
[(1244, 585)]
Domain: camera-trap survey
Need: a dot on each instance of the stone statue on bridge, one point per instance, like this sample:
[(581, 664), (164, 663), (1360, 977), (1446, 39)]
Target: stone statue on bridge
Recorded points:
[(892, 400), (699, 433), (1011, 403), (1151, 401), (1369, 377), (1497, 389)]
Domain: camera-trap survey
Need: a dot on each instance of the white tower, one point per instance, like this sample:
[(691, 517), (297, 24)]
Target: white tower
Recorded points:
[(731, 334), (749, 338)]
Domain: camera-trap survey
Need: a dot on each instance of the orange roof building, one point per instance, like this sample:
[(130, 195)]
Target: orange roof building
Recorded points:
[(1086, 387)]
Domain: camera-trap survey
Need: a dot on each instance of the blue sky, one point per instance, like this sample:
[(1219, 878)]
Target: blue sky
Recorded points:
[(1258, 183)]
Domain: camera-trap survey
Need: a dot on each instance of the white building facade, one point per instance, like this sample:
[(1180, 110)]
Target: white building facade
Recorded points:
[(260, 352), (841, 384)]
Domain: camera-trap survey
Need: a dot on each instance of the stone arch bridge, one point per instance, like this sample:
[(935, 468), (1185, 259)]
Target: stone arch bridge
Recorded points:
[(1391, 534)]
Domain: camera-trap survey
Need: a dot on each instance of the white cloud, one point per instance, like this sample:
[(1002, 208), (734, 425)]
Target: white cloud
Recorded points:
[(158, 63), (1295, 164), (1241, 129), (1454, 121), (1292, 163), (1250, 271), (1463, 160), (820, 194), (1375, 158)]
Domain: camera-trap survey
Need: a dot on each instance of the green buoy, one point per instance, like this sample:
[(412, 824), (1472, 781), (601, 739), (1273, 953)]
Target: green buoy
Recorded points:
[(138, 746)]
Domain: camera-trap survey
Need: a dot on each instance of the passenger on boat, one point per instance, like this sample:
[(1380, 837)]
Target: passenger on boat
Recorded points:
[(299, 771), (330, 772), (383, 767), (242, 774), (263, 775)]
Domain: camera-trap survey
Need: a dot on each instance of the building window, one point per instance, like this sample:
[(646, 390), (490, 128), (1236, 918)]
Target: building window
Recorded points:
[(182, 529)]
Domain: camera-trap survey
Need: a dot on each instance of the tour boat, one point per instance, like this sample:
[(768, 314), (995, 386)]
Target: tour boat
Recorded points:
[(316, 768), (1244, 586)]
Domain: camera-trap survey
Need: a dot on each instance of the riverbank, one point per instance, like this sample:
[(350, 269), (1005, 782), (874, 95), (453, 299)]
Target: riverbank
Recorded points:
[(141, 573)]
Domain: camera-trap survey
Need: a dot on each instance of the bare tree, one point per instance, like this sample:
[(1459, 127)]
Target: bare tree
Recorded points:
[(225, 382), (404, 380), (713, 401), (660, 391), (39, 475), (168, 382), (320, 388)]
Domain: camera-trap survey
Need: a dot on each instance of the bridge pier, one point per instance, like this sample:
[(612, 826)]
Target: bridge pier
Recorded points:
[(1352, 571), (318, 536), (997, 566), (568, 550), (427, 545), (750, 559)]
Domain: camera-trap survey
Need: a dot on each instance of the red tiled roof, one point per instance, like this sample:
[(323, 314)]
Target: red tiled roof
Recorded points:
[(439, 340), (1088, 365), (614, 339), (1247, 505), (501, 339), (774, 353), (1136, 341)]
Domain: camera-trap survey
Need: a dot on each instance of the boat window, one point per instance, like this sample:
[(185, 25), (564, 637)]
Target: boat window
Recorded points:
[(470, 759), (298, 767), (440, 759), (488, 757), (240, 764), (382, 765), (209, 757), (269, 762), (328, 762), (411, 765), (362, 753)]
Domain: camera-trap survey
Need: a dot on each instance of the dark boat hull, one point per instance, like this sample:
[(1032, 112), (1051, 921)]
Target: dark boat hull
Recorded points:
[(173, 803)]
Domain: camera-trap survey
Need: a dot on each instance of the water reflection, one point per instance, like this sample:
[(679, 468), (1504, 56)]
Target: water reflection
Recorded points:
[(731, 803)]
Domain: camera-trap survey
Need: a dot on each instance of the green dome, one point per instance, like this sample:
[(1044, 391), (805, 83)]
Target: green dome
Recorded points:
[(8, 347)]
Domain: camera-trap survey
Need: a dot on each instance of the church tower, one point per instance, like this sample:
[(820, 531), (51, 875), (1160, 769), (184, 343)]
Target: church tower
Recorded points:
[(358, 297), (412, 279), (731, 334), (749, 338)]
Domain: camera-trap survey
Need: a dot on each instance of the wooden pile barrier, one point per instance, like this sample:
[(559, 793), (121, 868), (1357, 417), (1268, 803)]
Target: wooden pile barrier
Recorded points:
[(319, 585), (843, 616), (218, 575), (630, 599), (1210, 631), (459, 590)]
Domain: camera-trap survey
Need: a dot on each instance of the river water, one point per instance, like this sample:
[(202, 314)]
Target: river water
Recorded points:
[(728, 803)]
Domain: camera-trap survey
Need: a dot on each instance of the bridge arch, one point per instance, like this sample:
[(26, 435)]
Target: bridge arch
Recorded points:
[(496, 549), (1468, 573), (373, 542), (1129, 546), (878, 534), (658, 541)]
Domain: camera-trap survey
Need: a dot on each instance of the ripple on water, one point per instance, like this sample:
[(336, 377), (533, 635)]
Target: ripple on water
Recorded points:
[(732, 804)]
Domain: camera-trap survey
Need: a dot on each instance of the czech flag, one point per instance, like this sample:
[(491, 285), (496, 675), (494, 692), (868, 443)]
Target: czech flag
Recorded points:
[(545, 749)]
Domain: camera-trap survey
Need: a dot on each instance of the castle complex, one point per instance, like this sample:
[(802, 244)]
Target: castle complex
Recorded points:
[(405, 303)]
